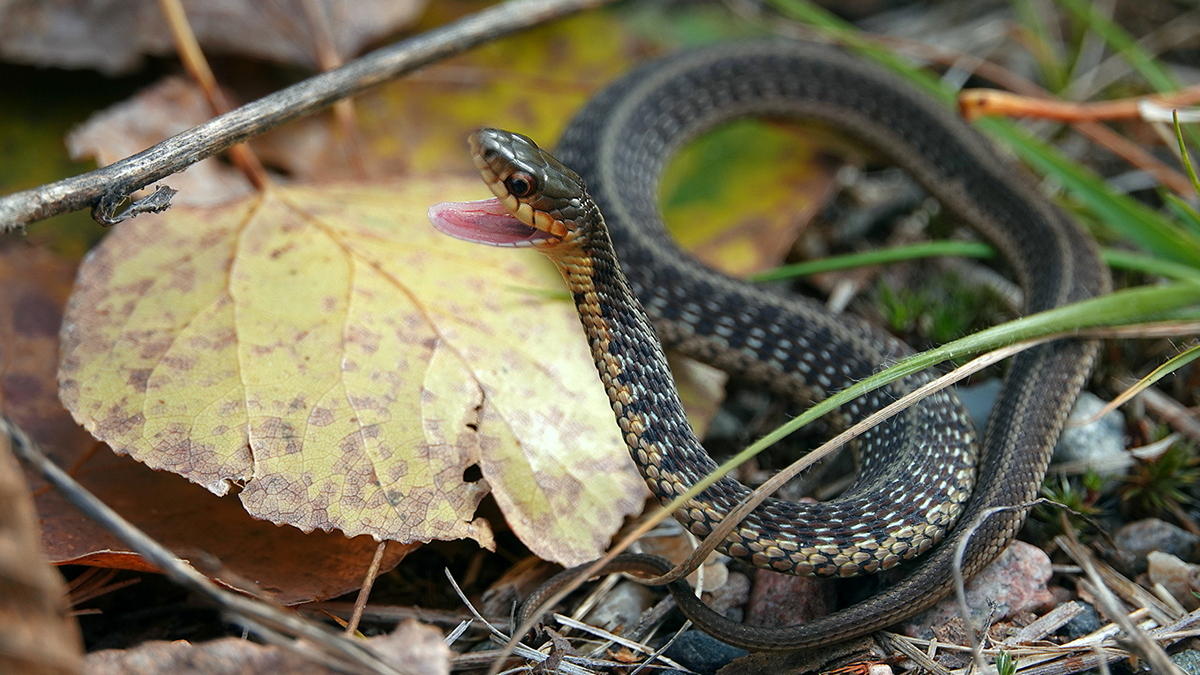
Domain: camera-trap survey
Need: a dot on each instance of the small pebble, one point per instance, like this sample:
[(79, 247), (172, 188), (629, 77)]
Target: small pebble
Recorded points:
[(1014, 583), (1085, 623), (785, 599), (621, 606), (1181, 579), (730, 597), (1188, 660), (1099, 445), (1141, 537), (702, 653)]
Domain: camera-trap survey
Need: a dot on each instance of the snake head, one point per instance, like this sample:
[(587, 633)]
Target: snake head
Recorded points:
[(539, 202)]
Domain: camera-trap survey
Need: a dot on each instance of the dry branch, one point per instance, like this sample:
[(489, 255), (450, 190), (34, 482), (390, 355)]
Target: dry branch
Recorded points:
[(107, 187), (264, 619)]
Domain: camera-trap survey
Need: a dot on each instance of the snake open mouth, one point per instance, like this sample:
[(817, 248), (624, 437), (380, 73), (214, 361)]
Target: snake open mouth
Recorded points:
[(487, 221)]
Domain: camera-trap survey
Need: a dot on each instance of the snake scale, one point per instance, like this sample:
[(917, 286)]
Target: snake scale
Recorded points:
[(918, 469)]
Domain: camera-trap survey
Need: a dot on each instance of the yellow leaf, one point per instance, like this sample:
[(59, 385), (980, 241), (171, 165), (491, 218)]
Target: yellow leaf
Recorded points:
[(738, 196), (338, 363), (532, 83)]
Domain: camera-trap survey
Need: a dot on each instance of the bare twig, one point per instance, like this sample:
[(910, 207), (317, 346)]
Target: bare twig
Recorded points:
[(350, 655), (478, 659), (330, 58), (610, 637), (117, 181), (1108, 605), (975, 103), (1045, 624), (192, 56), (898, 643), (364, 593), (1171, 412), (396, 614)]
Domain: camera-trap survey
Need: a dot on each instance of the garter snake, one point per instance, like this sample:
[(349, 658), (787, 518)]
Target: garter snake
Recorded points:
[(918, 469)]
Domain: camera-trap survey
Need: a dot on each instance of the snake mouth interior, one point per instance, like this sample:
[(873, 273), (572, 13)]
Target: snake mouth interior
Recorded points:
[(487, 221)]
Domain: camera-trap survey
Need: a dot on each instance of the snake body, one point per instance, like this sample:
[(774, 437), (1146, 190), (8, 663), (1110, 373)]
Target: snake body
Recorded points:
[(918, 469)]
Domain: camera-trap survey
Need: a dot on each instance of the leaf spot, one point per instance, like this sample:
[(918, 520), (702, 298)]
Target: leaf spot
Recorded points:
[(320, 417)]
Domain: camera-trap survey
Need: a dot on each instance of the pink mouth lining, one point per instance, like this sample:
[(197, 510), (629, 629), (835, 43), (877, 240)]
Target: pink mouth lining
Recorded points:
[(486, 221)]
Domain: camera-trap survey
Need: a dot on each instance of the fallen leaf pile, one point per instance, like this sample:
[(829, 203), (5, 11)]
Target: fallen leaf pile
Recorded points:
[(114, 36)]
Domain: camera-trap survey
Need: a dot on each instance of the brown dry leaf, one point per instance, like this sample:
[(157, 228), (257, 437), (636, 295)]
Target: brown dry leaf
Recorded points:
[(701, 390), (112, 37), (34, 285), (288, 565), (413, 648), (39, 636), (216, 534), (340, 365), (157, 112)]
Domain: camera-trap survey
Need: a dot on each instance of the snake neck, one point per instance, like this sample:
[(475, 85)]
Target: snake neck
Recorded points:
[(631, 362)]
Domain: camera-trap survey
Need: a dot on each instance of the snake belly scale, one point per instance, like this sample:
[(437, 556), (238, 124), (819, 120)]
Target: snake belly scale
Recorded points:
[(918, 469)]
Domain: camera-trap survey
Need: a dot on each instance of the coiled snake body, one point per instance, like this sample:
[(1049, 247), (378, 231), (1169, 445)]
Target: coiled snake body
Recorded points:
[(917, 469)]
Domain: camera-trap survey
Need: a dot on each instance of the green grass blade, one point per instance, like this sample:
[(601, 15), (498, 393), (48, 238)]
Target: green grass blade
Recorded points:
[(1138, 262), (1183, 151), (1126, 260), (1131, 219), (845, 33), (1173, 364), (1122, 43), (1183, 212), (1134, 305), (966, 249)]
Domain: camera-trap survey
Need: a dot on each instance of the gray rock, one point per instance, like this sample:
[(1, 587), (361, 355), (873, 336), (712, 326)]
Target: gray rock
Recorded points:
[(1189, 660), (702, 653), (1085, 624), (1181, 579), (1141, 537), (621, 606), (785, 599), (1100, 445)]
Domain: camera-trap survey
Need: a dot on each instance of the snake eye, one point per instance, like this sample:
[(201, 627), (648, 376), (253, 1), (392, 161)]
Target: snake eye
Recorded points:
[(520, 184)]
